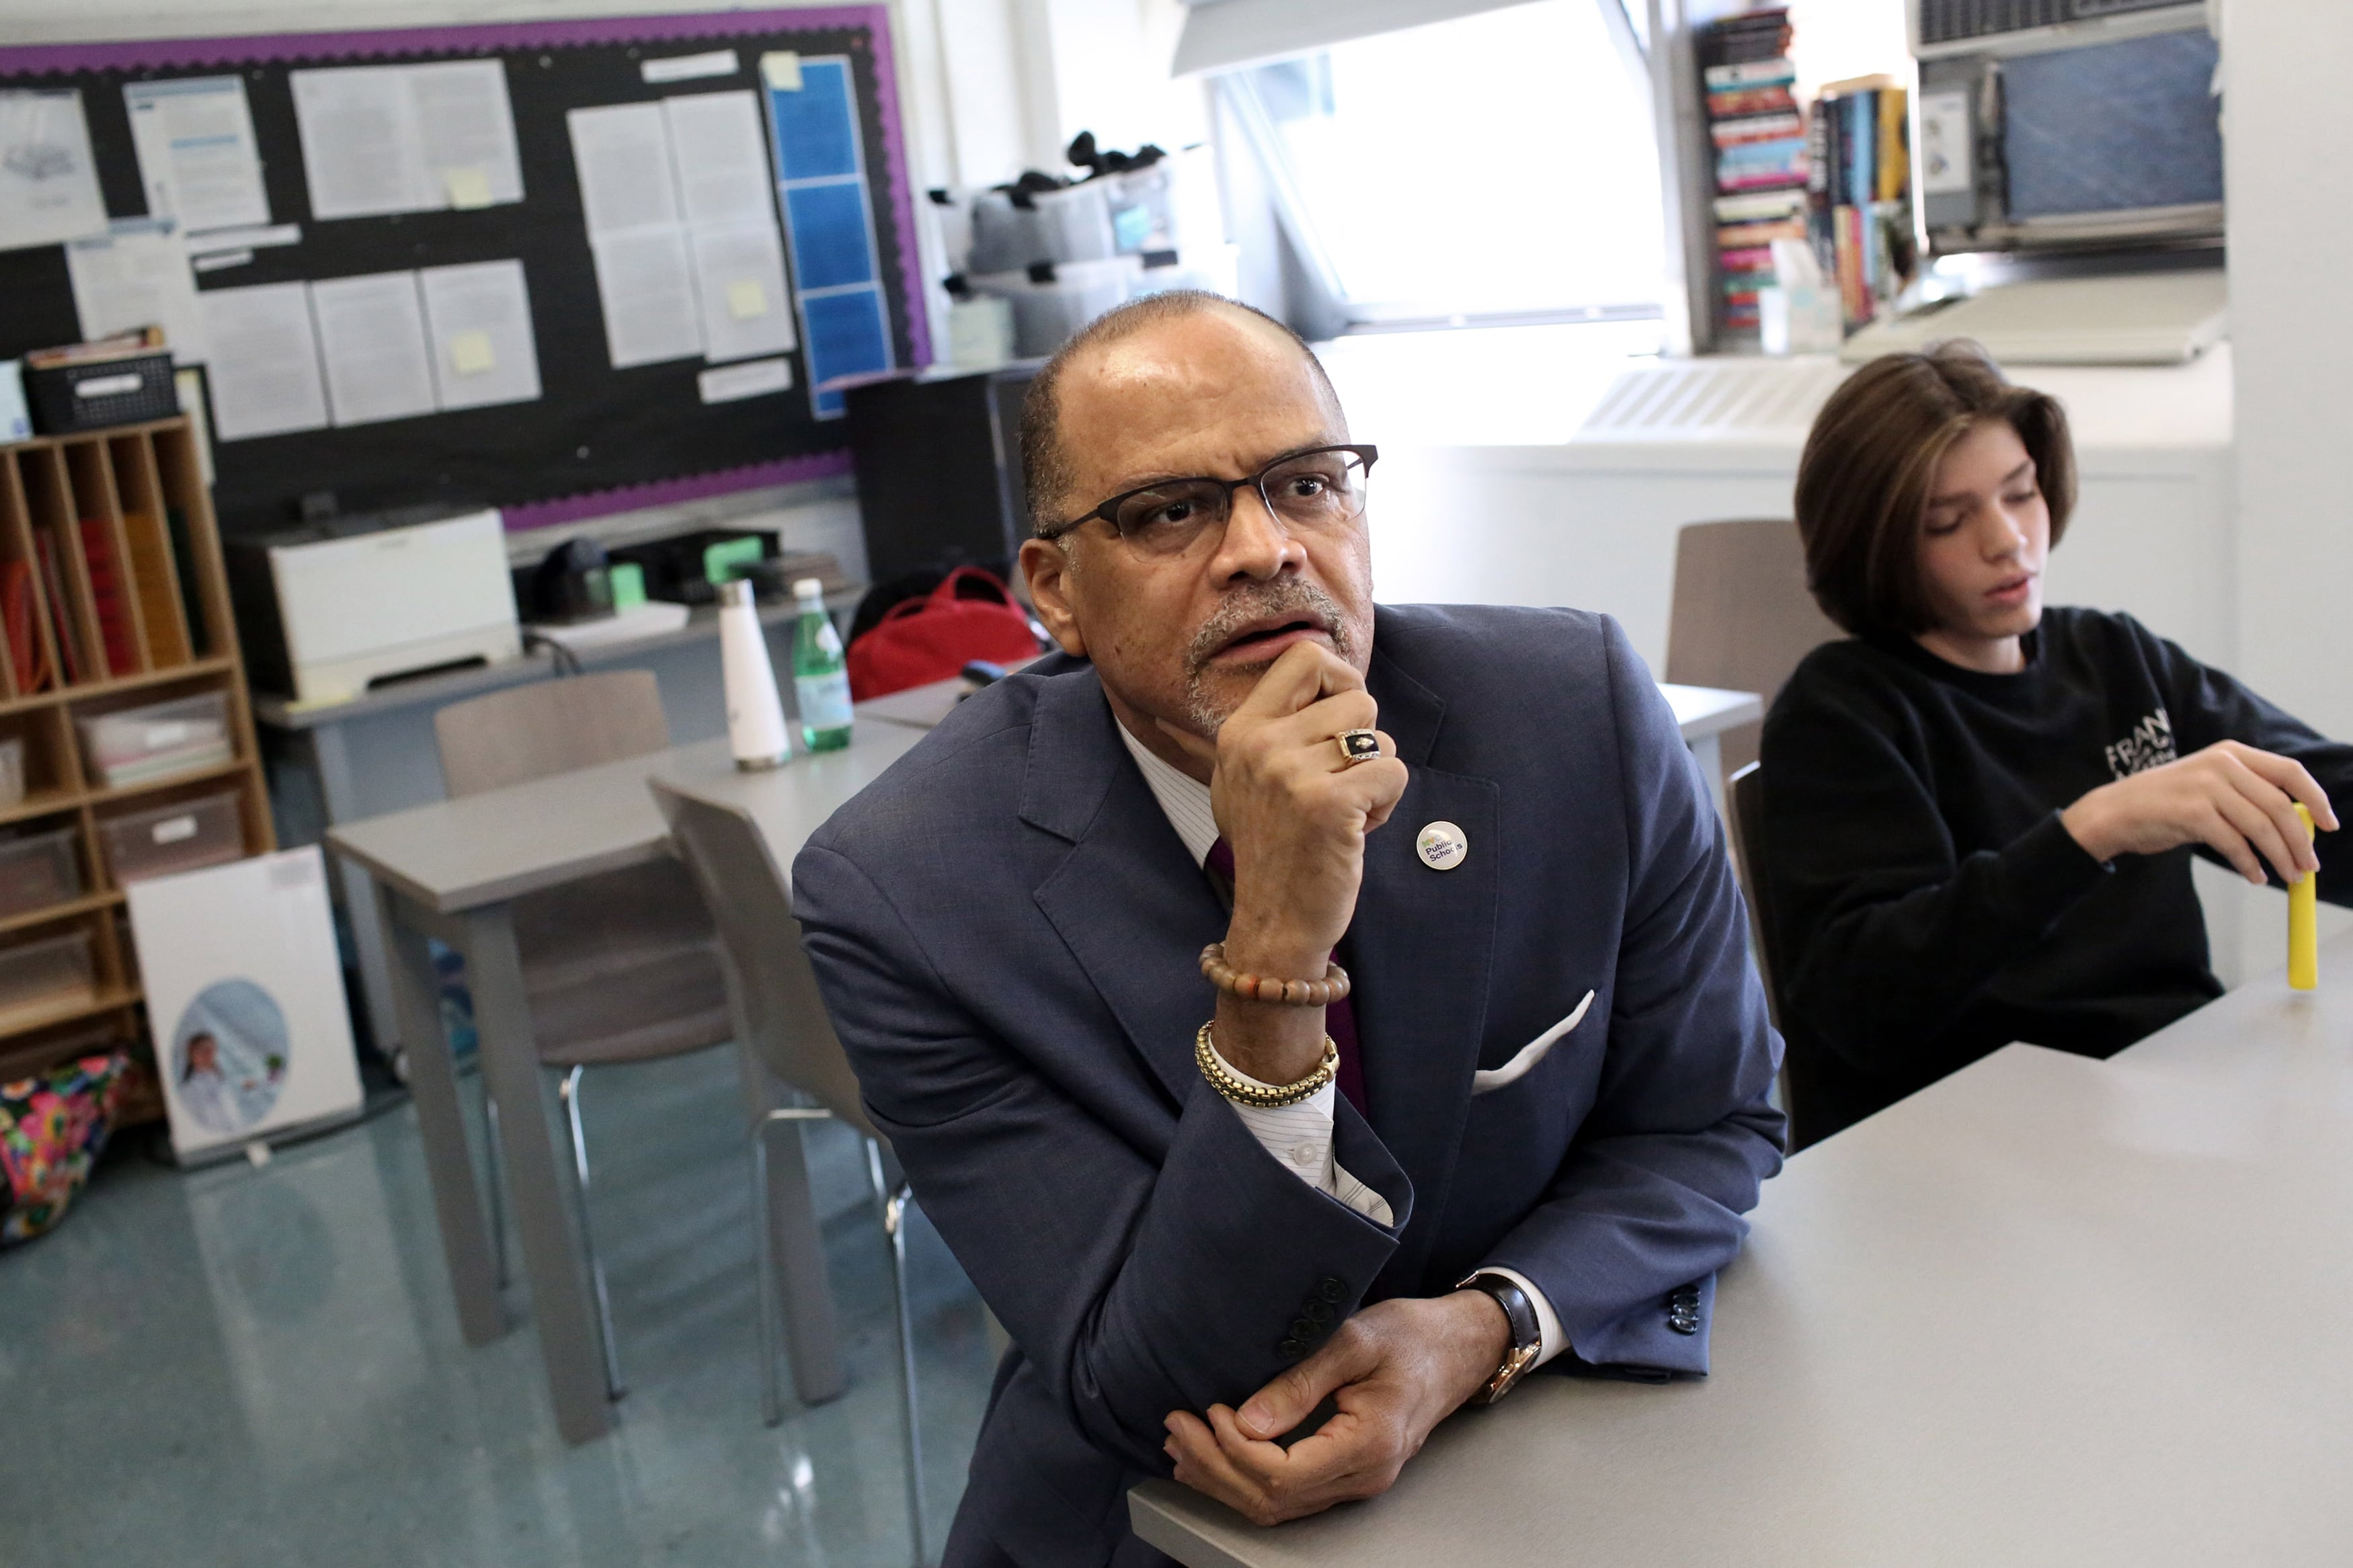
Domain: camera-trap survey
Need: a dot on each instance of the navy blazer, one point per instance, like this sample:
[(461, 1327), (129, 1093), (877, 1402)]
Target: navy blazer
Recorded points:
[(1006, 930)]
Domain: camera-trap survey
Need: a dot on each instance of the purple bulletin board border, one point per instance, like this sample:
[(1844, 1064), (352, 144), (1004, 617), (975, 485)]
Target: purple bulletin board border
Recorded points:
[(671, 492), (174, 54)]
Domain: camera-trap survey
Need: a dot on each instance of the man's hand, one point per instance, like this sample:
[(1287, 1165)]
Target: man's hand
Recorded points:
[(2236, 800), (1295, 812), (1395, 1370)]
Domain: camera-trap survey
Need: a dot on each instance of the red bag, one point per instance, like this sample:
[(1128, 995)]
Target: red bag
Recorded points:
[(971, 615)]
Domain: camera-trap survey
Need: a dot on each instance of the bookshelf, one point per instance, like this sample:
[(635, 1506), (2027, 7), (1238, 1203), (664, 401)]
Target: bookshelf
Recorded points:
[(112, 600), (1756, 132)]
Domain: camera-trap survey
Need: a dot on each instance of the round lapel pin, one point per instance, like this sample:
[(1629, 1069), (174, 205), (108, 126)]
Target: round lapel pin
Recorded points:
[(1442, 846)]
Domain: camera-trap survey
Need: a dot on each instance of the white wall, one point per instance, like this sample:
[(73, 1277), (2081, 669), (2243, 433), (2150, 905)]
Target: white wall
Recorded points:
[(2291, 227), (1111, 61), (979, 79)]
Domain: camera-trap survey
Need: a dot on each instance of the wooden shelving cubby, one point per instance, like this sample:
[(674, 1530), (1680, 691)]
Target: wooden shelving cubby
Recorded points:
[(112, 598)]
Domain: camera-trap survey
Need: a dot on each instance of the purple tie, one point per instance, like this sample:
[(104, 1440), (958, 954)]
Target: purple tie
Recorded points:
[(1339, 1018)]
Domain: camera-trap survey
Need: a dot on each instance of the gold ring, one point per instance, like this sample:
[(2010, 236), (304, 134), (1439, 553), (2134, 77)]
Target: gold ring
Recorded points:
[(1359, 745)]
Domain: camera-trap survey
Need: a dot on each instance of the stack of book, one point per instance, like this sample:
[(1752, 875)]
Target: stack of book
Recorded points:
[(1761, 149), (1859, 197)]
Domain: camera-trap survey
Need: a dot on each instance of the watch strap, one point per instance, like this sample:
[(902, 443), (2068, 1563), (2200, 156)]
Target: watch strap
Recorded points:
[(1527, 1334)]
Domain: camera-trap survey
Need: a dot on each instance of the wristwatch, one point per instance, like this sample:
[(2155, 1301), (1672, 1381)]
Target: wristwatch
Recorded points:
[(1527, 1337)]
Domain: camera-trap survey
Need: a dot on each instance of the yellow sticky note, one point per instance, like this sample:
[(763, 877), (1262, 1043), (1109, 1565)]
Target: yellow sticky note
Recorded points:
[(468, 188), (781, 70), (470, 354), (746, 298)]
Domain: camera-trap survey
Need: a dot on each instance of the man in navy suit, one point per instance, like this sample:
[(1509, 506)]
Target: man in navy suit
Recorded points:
[(1216, 1196)]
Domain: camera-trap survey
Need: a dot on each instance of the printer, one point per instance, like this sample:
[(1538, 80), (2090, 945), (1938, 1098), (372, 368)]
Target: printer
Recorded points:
[(331, 609)]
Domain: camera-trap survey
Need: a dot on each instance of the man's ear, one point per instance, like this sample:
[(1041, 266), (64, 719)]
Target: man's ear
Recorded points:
[(1046, 565)]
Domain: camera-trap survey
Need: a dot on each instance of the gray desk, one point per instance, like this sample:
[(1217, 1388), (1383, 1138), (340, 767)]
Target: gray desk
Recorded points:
[(2050, 1310), (449, 870), (2264, 1036), (346, 761)]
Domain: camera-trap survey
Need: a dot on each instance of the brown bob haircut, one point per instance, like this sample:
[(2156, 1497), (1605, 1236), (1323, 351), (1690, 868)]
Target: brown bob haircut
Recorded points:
[(1872, 461)]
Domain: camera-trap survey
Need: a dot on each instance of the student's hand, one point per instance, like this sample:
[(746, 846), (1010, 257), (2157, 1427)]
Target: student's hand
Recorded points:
[(2235, 800), (1395, 1370), (1294, 811)]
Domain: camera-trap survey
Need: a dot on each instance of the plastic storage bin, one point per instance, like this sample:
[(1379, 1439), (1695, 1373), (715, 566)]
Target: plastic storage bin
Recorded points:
[(37, 870), (1011, 232), (140, 745), (1050, 303), (36, 977), (186, 836)]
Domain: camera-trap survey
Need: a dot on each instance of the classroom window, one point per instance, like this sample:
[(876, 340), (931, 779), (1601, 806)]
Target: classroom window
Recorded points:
[(1495, 165)]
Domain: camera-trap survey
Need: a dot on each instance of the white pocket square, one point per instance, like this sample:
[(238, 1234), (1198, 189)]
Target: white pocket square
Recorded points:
[(1488, 1080)]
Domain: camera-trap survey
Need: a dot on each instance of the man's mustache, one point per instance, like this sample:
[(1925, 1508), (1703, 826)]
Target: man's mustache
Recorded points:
[(1243, 605)]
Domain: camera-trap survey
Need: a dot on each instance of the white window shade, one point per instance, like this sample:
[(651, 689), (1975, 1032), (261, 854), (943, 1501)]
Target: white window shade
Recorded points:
[(1221, 35)]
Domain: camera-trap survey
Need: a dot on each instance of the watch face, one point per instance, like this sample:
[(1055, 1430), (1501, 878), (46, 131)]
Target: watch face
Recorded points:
[(1508, 1376)]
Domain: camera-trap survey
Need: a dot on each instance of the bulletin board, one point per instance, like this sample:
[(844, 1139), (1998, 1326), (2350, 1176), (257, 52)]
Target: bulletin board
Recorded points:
[(597, 440)]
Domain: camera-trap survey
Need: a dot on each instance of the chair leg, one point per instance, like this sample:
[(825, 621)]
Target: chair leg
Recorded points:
[(896, 1206), (613, 1387), (494, 1142), (772, 1398)]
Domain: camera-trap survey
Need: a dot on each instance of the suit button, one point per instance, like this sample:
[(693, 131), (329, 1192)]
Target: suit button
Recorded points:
[(1684, 1324), (1333, 1290), (1302, 1329), (1289, 1349), (1320, 1312)]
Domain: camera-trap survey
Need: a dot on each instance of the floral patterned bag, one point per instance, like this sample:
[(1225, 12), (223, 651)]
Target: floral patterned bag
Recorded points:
[(52, 1126)]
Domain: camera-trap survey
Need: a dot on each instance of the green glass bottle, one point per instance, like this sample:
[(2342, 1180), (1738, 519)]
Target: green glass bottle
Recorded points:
[(820, 674)]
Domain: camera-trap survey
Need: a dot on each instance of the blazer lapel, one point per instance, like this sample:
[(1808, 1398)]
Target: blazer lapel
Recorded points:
[(1421, 951), (1134, 908)]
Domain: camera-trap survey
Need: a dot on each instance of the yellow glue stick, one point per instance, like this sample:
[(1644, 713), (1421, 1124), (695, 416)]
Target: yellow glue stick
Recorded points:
[(2303, 923)]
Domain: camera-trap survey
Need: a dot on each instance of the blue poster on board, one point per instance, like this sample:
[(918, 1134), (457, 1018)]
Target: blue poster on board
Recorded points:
[(828, 205)]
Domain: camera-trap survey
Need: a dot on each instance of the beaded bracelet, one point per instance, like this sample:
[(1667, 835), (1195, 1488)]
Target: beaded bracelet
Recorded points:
[(1332, 987), (1262, 1096)]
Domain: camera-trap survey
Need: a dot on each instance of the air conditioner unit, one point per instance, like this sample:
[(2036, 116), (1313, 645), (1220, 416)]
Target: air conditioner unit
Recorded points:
[(1942, 27), (2050, 125)]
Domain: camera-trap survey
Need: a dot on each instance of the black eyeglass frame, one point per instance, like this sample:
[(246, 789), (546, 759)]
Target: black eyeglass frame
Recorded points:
[(1366, 454)]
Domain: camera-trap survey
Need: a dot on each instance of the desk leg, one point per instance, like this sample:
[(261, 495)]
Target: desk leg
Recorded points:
[(433, 1087), (559, 1293), (371, 936)]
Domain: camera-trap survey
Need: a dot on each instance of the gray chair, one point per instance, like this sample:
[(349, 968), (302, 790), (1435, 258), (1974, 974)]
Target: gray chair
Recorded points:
[(1743, 617), (788, 1037), (622, 967)]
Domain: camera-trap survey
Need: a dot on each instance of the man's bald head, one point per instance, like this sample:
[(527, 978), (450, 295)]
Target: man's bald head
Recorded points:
[(1047, 471)]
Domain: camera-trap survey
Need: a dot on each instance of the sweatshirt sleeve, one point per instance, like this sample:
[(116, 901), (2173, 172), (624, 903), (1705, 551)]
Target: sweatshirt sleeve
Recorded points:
[(1884, 929), (2206, 706)]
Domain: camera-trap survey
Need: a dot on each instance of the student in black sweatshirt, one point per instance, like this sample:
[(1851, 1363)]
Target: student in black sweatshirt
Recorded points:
[(1979, 814)]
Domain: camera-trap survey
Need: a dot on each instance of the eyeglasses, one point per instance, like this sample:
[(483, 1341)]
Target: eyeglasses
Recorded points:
[(1321, 489)]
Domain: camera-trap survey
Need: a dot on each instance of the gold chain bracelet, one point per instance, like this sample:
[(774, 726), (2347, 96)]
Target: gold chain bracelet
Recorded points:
[(1264, 1097), (1334, 987)]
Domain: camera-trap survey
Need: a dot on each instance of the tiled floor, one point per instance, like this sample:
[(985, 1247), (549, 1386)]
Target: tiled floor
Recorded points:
[(248, 1367)]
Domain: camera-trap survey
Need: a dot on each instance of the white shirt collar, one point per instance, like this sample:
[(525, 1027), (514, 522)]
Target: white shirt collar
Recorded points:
[(1183, 799)]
